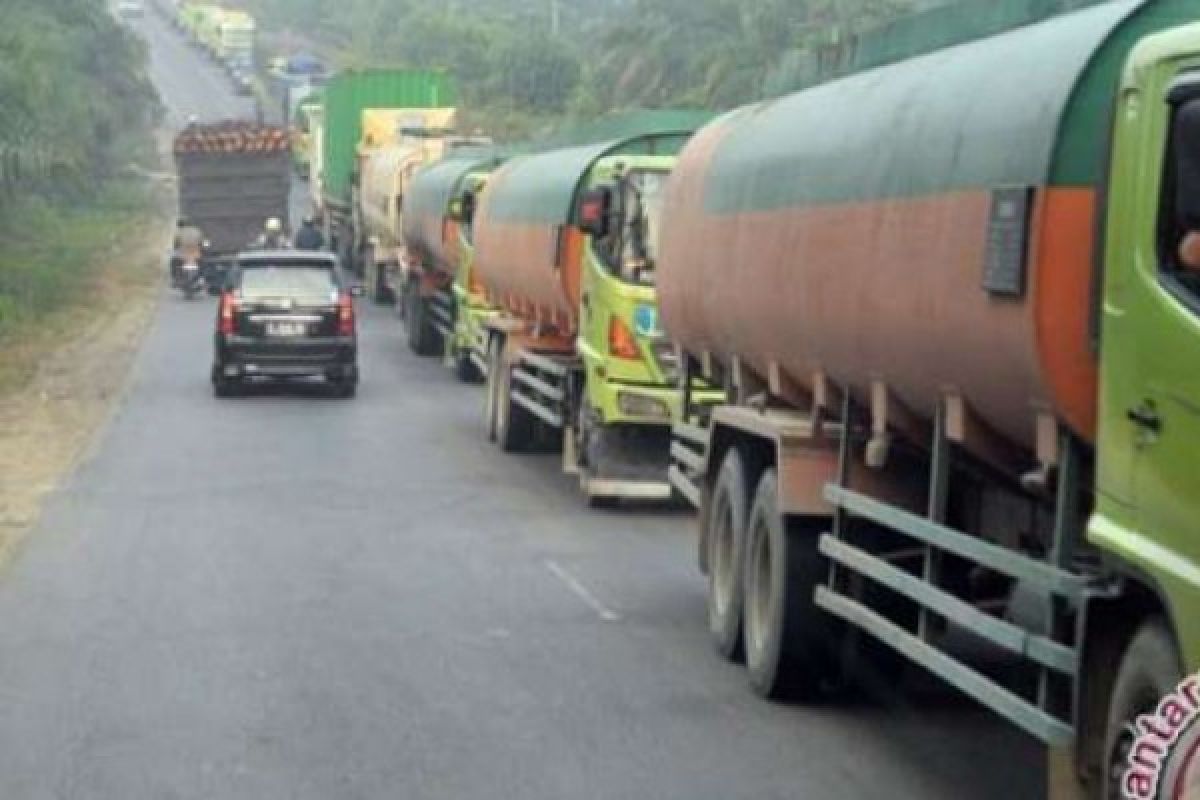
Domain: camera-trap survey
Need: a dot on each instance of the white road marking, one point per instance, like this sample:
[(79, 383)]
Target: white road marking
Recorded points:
[(575, 585)]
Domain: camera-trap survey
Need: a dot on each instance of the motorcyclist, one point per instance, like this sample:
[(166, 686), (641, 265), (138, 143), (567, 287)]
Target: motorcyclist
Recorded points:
[(273, 236), (187, 246), (309, 237)]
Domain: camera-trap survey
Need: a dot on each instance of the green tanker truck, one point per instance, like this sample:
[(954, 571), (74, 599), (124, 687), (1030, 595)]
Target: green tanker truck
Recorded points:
[(447, 309), (565, 250), (962, 373)]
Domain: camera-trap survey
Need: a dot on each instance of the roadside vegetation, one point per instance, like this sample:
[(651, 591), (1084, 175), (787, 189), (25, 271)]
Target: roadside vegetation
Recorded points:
[(76, 117), (525, 66)]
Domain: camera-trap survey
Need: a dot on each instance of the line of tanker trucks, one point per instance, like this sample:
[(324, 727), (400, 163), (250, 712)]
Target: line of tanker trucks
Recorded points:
[(227, 35), (916, 342)]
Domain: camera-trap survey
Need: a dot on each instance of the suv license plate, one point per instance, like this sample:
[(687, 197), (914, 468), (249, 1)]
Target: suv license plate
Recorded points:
[(285, 329)]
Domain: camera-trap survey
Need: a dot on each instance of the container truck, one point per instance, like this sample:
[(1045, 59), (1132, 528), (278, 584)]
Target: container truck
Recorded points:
[(233, 177), (961, 356), (192, 16), (565, 247), (444, 306), (235, 41), (206, 28), (347, 95)]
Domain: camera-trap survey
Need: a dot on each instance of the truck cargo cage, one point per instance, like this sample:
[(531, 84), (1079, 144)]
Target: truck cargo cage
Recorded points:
[(1053, 651)]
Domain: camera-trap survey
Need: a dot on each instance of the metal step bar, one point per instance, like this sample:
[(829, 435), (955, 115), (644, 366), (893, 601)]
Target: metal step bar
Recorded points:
[(689, 454), (1065, 592), (532, 388), (441, 307)]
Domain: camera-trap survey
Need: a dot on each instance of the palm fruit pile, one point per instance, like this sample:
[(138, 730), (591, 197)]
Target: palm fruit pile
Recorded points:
[(232, 136)]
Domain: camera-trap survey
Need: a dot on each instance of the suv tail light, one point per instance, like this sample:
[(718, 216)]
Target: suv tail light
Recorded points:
[(225, 320), (345, 321)]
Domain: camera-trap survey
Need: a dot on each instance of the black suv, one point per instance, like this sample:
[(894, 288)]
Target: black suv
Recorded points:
[(286, 314)]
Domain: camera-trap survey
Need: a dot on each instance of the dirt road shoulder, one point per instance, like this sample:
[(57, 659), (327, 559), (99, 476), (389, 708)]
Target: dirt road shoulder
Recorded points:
[(62, 381)]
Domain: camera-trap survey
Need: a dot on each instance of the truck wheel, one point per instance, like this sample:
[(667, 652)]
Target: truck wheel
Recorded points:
[(514, 425), (376, 272), (787, 637), (1149, 670), (422, 338), (464, 368), (726, 537)]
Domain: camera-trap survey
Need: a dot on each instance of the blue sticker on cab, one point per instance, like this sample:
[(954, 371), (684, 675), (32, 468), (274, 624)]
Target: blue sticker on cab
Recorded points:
[(645, 320)]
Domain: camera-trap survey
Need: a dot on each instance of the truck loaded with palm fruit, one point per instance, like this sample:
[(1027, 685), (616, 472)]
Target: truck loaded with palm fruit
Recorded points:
[(233, 177), (962, 373), (566, 250)]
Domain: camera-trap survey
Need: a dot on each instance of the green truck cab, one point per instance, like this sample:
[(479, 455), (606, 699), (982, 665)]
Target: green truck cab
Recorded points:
[(565, 248), (629, 362), (467, 343), (1147, 513), (444, 307)]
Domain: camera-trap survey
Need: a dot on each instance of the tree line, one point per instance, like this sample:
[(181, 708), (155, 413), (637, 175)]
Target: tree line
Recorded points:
[(526, 63), (76, 110), (76, 104)]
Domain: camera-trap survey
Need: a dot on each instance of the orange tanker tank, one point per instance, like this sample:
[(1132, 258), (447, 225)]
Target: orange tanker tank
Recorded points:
[(528, 255), (902, 228)]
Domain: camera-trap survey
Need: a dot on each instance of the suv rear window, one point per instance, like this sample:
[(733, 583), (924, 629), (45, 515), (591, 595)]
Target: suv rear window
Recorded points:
[(291, 281)]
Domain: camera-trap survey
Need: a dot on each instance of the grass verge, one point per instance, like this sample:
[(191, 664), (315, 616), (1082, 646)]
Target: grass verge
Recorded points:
[(77, 288)]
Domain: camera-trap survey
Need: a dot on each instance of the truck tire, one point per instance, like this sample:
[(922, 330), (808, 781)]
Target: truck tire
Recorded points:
[(514, 425), (375, 278), (422, 338), (726, 537), (464, 368), (1149, 670), (787, 637)]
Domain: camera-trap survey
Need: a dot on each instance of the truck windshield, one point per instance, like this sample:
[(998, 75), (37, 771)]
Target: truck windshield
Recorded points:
[(641, 200)]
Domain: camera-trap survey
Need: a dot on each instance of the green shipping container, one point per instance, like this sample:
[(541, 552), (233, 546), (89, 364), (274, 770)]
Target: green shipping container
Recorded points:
[(349, 93)]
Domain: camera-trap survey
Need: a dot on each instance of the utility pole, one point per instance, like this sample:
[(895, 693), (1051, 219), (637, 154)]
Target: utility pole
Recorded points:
[(555, 18)]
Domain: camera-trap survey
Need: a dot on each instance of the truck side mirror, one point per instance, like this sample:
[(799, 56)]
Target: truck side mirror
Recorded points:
[(595, 211)]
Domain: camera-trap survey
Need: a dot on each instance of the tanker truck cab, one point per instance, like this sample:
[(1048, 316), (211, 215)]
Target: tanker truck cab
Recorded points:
[(442, 303), (576, 357), (1147, 516), (628, 400), (867, 493), (467, 302)]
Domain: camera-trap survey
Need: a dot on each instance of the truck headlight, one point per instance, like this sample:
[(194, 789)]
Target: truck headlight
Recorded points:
[(639, 405)]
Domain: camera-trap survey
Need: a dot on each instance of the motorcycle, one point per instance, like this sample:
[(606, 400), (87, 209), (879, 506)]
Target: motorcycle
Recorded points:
[(191, 279)]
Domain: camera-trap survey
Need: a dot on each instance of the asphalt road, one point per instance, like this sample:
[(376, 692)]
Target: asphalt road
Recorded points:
[(289, 596)]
